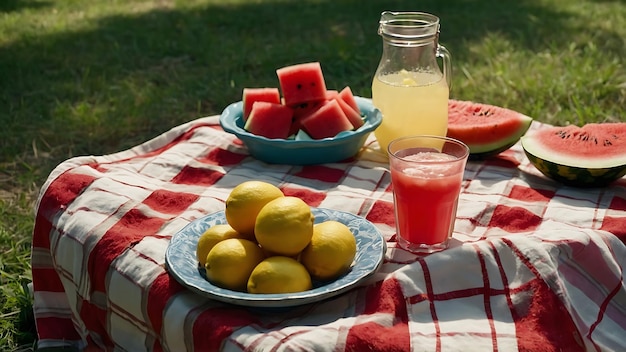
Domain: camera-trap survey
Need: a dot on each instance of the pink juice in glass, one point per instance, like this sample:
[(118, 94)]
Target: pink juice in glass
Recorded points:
[(426, 187)]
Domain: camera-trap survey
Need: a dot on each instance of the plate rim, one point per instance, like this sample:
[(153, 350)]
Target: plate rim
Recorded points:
[(275, 300)]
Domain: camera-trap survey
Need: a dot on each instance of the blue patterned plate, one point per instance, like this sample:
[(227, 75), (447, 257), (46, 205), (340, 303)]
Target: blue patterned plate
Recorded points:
[(181, 262)]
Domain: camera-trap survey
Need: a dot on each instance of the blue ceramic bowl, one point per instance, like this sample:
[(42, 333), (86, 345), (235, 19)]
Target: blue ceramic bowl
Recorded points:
[(302, 150)]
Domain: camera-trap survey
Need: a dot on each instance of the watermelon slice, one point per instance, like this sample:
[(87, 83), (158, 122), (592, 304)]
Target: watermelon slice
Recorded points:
[(593, 155), (302, 111), (302, 83), (353, 116), (486, 129), (269, 120), (326, 121), (252, 95), (348, 97), (305, 109)]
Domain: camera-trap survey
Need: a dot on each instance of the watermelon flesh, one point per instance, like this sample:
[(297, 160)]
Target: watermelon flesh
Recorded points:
[(348, 97), (302, 110), (486, 129), (327, 121), (353, 116), (300, 114), (331, 94), (302, 83), (269, 120), (252, 95), (306, 108)]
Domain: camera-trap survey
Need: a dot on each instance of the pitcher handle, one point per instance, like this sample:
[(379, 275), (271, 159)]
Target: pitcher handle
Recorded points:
[(444, 54)]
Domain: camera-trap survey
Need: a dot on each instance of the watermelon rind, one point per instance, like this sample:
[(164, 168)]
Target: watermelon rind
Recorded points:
[(576, 176), (573, 169), (486, 151)]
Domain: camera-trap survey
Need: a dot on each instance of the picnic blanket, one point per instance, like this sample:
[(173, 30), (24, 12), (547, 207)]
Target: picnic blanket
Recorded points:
[(533, 265)]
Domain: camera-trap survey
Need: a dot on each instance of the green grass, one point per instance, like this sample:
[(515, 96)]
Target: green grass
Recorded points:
[(98, 76)]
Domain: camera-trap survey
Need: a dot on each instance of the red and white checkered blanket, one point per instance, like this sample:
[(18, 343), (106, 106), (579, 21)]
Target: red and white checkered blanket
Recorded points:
[(534, 266)]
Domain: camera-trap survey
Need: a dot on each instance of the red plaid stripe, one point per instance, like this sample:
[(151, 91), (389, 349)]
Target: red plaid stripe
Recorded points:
[(531, 266)]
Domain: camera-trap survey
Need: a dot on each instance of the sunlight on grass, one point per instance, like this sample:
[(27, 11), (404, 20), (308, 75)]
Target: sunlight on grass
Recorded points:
[(546, 85)]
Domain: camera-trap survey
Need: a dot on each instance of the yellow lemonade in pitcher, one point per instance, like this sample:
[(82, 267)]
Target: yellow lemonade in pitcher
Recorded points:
[(412, 103)]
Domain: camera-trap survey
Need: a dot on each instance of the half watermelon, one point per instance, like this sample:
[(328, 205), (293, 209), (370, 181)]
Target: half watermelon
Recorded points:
[(593, 155), (486, 129)]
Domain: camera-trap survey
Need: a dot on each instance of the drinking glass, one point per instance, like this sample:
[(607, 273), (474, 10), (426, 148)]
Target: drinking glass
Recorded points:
[(426, 174)]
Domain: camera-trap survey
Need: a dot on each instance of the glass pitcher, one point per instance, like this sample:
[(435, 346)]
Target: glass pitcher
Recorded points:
[(409, 87)]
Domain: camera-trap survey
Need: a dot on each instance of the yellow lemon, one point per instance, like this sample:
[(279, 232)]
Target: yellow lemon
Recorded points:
[(330, 252), (211, 237), (279, 274), (244, 203), (231, 261), (284, 226)]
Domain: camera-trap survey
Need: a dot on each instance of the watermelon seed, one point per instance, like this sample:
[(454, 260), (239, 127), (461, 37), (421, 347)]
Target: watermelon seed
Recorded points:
[(299, 86), (483, 112), (607, 142)]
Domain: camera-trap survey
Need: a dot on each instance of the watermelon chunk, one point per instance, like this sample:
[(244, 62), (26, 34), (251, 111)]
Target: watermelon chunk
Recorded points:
[(252, 95), (302, 83), (305, 109), (269, 120), (301, 111), (486, 129), (348, 97), (326, 121), (353, 116)]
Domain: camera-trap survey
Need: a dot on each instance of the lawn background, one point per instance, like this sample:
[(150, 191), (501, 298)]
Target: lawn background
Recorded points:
[(98, 76)]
